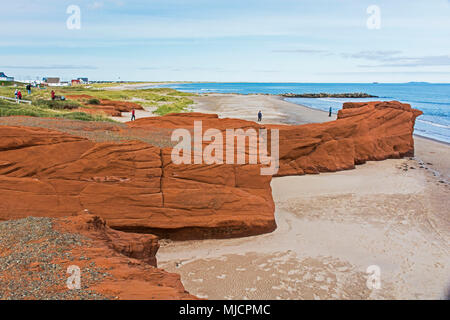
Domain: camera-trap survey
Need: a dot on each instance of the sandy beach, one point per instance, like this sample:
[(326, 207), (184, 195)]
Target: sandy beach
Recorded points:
[(133, 86), (331, 227), (274, 108)]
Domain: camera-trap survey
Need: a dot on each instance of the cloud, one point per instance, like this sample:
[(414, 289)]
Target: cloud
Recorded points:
[(96, 5), (385, 72), (394, 58), (178, 69), (266, 71), (52, 67), (100, 4), (386, 55), (310, 51), (425, 61)]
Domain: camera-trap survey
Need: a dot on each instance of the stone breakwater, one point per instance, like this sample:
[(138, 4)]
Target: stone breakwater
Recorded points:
[(328, 95)]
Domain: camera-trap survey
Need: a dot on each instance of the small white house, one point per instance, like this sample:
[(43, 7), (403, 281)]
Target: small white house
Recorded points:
[(4, 77)]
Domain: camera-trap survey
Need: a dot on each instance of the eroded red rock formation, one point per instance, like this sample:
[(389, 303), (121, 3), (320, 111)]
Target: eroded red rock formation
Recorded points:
[(110, 107), (133, 185), (111, 264), (362, 132), (129, 259), (136, 187)]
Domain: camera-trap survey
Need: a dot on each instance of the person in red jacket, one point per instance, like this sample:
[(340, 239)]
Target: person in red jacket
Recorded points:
[(133, 115), (53, 95), (19, 95)]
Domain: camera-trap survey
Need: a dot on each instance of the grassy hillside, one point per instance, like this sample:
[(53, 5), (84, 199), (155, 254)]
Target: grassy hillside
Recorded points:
[(14, 109), (161, 100)]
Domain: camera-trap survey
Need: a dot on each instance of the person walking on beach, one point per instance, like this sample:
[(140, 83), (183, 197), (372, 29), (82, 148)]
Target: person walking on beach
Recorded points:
[(259, 115), (133, 115), (53, 95), (329, 114)]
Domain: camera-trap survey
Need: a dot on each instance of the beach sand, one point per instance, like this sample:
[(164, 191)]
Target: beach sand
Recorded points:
[(391, 214), (274, 109), (133, 86)]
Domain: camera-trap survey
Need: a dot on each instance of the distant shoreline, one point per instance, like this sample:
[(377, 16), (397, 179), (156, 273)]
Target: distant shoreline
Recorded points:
[(281, 97), (328, 95)]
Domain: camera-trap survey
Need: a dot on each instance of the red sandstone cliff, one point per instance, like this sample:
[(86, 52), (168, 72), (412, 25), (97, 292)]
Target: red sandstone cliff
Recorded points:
[(129, 259), (110, 107), (133, 185), (111, 264), (136, 187), (363, 131)]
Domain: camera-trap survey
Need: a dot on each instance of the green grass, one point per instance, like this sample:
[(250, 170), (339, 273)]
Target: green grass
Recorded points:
[(93, 101), (165, 100), (6, 83), (181, 105), (57, 104), (14, 109)]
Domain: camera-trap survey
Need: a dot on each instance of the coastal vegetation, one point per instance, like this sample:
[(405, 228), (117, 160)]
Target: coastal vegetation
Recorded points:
[(42, 110), (161, 100), (329, 95)]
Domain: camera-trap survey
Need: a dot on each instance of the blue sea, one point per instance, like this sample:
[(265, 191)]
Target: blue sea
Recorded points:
[(432, 99)]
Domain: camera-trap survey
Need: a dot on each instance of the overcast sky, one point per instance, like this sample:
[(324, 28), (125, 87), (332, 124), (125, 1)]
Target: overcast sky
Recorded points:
[(232, 40)]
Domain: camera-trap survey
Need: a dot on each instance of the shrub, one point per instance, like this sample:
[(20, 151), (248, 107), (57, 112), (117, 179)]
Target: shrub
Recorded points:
[(57, 104), (93, 101), (180, 106), (13, 109)]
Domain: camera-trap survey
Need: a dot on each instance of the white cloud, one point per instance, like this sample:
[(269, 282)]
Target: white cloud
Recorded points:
[(96, 5), (52, 67)]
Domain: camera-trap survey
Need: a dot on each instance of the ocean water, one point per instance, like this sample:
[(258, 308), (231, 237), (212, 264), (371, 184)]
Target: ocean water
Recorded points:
[(432, 99)]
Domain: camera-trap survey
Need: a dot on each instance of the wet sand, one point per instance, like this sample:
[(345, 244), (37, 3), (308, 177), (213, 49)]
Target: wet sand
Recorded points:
[(331, 227)]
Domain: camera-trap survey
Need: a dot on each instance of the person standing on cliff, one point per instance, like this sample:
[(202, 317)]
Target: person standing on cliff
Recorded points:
[(259, 115), (53, 95), (133, 115), (329, 114)]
